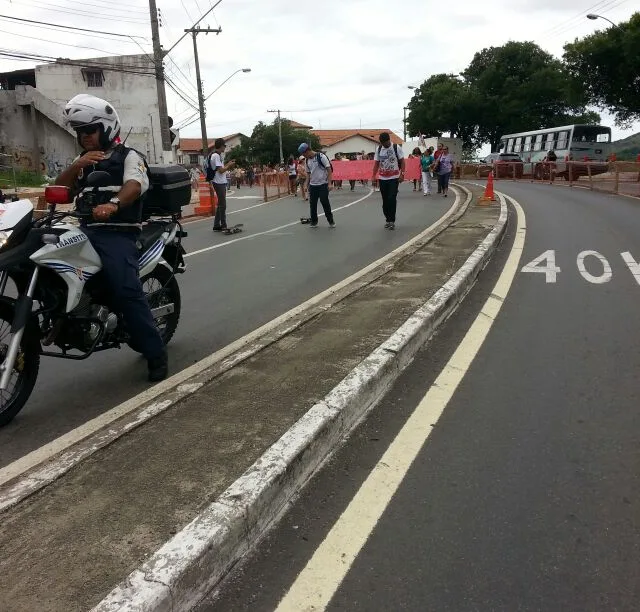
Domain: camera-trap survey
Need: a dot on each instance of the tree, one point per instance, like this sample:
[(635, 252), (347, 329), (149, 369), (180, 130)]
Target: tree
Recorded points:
[(263, 147), (607, 64), (519, 87), (444, 104)]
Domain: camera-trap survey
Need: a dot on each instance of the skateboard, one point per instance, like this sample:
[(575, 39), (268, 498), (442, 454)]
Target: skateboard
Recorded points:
[(234, 229), (305, 220)]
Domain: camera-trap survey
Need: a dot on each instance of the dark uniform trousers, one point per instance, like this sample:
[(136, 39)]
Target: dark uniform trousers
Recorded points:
[(119, 255)]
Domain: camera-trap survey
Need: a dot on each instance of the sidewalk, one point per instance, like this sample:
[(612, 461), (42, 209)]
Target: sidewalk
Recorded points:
[(67, 546)]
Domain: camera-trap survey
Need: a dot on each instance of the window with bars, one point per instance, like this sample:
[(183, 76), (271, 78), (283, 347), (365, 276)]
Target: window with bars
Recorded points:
[(95, 78)]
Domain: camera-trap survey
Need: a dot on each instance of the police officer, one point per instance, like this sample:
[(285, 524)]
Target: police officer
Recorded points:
[(115, 226)]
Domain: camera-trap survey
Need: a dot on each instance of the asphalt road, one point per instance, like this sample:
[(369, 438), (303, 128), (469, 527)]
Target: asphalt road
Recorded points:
[(233, 286), (526, 496)]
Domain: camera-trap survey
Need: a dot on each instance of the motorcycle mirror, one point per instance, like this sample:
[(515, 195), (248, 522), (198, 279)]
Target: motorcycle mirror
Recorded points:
[(57, 194), (99, 178)]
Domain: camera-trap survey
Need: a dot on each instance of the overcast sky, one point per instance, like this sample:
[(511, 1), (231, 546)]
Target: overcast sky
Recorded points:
[(330, 64)]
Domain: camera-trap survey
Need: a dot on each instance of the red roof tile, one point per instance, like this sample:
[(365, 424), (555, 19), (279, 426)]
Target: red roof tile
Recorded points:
[(331, 137)]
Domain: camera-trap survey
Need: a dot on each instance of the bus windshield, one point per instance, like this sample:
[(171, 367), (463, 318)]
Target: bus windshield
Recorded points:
[(591, 133)]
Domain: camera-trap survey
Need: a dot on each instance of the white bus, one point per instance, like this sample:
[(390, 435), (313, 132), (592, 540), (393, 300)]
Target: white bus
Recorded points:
[(575, 143)]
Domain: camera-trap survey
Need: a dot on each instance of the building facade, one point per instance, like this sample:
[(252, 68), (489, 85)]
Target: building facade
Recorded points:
[(31, 104)]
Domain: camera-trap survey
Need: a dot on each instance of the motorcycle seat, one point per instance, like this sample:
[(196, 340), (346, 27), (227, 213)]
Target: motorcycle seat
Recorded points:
[(150, 233)]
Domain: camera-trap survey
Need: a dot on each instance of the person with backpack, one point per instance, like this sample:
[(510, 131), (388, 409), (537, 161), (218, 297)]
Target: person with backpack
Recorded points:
[(319, 175), (216, 174), (389, 165)]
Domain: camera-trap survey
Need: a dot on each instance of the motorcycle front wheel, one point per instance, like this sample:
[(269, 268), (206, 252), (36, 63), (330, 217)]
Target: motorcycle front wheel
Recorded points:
[(25, 371)]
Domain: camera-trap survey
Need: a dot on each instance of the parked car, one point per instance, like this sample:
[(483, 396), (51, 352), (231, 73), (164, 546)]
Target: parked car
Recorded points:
[(505, 163)]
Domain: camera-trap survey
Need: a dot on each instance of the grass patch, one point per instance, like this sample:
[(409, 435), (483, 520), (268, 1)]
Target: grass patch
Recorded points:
[(24, 178)]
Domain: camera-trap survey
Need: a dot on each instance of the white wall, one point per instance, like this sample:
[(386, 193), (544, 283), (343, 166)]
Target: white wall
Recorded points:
[(454, 144), (355, 144), (134, 96)]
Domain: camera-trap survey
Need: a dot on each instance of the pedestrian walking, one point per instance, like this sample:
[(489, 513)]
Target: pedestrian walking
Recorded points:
[(319, 177), (426, 164), (389, 164), (216, 173), (251, 176), (302, 177), (445, 168), (416, 153), (292, 171), (436, 157)]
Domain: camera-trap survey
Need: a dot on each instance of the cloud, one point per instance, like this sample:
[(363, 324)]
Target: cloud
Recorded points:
[(335, 63)]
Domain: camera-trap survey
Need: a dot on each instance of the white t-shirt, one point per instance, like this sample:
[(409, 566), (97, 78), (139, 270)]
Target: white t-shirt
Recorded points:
[(217, 161), (292, 169), (318, 172), (389, 163)]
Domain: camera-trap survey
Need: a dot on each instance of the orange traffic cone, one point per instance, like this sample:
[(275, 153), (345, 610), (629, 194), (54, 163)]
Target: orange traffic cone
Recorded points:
[(488, 196), (205, 206)]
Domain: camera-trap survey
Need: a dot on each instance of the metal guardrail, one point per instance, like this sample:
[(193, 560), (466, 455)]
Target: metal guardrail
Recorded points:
[(610, 177)]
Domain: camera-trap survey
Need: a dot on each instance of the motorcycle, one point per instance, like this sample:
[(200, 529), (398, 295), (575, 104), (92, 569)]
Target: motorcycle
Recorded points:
[(62, 301)]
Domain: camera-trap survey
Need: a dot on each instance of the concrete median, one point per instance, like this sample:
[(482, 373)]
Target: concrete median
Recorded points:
[(183, 497)]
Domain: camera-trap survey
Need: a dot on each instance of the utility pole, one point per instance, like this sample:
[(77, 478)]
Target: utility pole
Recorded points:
[(203, 124), (279, 133), (404, 123), (158, 56)]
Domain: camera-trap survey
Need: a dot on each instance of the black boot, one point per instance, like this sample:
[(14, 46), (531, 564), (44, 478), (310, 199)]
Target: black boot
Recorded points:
[(158, 368)]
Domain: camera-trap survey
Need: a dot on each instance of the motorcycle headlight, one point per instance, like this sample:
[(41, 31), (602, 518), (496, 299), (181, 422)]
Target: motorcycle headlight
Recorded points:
[(4, 238)]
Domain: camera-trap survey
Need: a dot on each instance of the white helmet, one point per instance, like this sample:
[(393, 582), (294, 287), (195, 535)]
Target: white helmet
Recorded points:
[(84, 109)]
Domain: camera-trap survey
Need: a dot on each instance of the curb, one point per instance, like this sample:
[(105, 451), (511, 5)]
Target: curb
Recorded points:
[(181, 573), (24, 482)]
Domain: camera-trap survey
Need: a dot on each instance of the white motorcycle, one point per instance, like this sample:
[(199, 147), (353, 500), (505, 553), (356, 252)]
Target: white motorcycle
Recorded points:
[(58, 298)]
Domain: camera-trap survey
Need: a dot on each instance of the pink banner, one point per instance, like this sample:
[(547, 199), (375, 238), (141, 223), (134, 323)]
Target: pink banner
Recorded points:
[(361, 170)]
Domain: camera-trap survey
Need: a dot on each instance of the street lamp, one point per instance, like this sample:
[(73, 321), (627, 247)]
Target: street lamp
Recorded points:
[(593, 17), (228, 78), (190, 120)]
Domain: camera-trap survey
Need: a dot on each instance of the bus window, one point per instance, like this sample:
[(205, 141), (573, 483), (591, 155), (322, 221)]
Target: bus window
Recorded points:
[(510, 145), (517, 147), (591, 133), (527, 143), (563, 140), (549, 144), (537, 146)]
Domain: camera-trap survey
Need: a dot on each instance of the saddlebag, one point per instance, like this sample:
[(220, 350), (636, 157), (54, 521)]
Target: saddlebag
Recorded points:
[(169, 191)]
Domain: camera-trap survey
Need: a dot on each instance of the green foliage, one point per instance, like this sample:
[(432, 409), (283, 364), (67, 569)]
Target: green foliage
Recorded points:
[(607, 65), (263, 146), (513, 88)]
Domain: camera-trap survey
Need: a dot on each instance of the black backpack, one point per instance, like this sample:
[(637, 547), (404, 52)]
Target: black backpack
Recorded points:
[(210, 172)]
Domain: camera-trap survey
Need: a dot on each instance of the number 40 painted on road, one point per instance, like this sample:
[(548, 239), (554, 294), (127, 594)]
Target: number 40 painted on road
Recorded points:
[(551, 270)]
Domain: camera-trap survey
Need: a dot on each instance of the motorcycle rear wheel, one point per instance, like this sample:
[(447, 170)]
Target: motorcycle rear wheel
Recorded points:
[(25, 372), (161, 288)]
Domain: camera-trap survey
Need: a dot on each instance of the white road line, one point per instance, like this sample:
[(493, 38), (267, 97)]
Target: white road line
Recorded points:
[(323, 574), (233, 212), (67, 440), (270, 231)]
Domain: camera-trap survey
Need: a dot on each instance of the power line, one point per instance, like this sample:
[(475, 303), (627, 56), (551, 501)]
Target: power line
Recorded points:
[(80, 13), (127, 68), (39, 27), (560, 27), (126, 9), (56, 42), (175, 44), (64, 27), (186, 11)]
